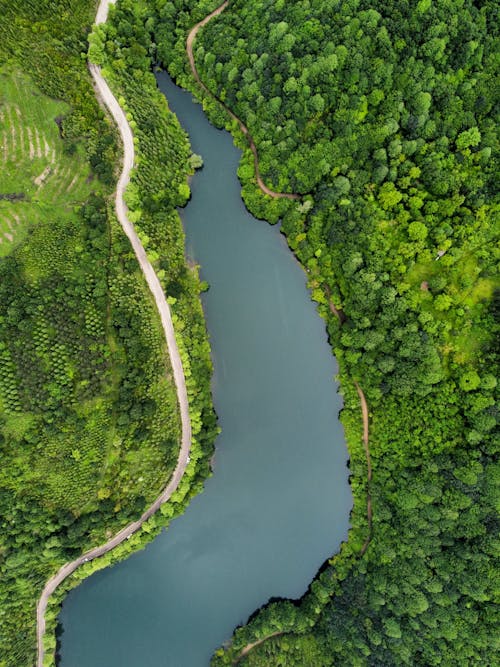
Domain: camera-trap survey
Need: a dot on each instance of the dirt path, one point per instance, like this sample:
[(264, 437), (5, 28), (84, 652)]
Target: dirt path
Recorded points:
[(189, 49), (154, 285), (338, 312), (252, 645), (366, 433), (366, 445)]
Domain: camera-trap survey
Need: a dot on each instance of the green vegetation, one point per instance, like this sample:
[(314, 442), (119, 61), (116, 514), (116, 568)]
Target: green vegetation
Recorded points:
[(158, 187), (382, 115), (89, 425), (37, 178)]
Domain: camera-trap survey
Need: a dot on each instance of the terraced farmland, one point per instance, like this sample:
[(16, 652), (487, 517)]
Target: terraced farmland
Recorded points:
[(37, 180)]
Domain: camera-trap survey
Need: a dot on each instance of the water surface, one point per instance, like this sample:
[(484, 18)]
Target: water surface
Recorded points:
[(277, 505)]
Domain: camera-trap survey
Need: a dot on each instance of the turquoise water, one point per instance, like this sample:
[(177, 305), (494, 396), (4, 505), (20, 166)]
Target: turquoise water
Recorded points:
[(278, 503)]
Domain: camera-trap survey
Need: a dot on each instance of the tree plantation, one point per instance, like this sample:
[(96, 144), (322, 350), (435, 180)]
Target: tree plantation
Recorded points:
[(89, 424)]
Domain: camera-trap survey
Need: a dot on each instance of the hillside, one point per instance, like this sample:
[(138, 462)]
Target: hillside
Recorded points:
[(383, 116), (89, 424)]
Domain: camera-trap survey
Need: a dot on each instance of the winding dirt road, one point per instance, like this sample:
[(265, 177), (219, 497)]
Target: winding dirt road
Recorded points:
[(154, 285), (189, 49), (366, 445), (252, 645)]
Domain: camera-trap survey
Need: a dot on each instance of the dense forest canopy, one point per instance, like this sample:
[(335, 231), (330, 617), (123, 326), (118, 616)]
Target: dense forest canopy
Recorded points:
[(384, 116)]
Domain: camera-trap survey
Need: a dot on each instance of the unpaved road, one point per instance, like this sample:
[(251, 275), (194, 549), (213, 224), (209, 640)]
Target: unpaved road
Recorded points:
[(252, 645), (366, 445), (189, 49), (109, 100)]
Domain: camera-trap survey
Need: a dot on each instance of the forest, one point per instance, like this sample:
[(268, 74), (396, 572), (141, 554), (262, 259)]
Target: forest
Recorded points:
[(383, 116), (89, 424)]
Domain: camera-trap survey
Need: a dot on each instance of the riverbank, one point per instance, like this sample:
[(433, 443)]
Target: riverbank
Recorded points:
[(407, 348), (151, 278), (78, 330), (244, 129), (276, 195)]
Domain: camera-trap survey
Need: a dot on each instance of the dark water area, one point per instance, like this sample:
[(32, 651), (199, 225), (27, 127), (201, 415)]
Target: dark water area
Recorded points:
[(278, 503)]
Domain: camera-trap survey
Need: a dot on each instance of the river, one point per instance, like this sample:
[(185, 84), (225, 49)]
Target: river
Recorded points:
[(278, 503)]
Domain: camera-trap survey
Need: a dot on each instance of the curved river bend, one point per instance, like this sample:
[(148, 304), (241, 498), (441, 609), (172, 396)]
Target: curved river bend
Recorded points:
[(278, 503)]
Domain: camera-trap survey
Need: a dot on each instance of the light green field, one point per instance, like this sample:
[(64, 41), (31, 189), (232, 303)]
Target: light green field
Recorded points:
[(32, 162)]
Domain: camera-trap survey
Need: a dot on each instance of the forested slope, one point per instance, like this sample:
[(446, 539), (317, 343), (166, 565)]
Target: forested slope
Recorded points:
[(89, 424), (383, 115)]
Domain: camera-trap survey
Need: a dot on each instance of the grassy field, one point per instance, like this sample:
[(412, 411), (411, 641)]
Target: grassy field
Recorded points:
[(37, 178)]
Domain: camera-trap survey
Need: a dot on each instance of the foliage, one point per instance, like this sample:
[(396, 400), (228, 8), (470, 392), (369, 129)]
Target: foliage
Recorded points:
[(37, 176), (89, 425), (47, 38), (382, 115)]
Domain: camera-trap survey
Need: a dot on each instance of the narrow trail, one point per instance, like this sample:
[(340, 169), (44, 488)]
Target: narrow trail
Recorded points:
[(338, 312), (366, 433), (252, 645), (366, 445), (106, 96), (189, 49)]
